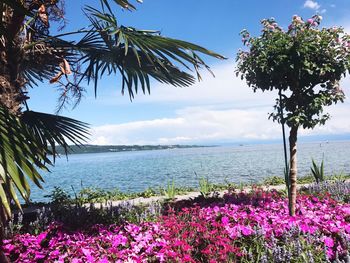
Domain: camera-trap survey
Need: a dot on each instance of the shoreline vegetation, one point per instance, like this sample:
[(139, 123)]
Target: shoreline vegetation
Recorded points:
[(89, 148), (87, 195)]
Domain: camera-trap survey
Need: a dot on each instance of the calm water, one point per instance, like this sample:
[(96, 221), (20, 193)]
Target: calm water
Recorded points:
[(136, 171)]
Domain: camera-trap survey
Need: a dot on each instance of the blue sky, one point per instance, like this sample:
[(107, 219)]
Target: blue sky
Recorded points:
[(220, 109)]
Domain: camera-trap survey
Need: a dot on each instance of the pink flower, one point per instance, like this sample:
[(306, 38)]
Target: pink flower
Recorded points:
[(346, 210), (246, 231), (41, 237), (328, 241), (177, 235), (9, 247), (225, 220), (187, 258), (330, 253), (104, 260)]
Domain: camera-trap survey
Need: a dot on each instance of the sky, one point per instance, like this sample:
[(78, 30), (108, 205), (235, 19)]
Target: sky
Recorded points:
[(220, 109)]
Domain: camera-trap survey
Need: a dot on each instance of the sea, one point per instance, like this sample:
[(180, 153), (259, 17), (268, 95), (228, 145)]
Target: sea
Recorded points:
[(135, 171)]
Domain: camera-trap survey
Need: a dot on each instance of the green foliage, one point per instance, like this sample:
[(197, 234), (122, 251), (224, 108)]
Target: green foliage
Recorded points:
[(339, 177), (305, 63), (24, 148), (205, 187), (149, 192), (59, 197), (306, 179), (278, 180), (106, 47), (97, 195), (89, 195), (170, 190), (75, 212), (317, 171), (274, 180), (136, 54)]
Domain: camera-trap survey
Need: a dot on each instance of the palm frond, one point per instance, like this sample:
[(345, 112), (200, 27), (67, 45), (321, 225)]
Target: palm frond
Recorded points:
[(19, 157), (51, 130), (24, 148), (107, 48), (41, 59), (137, 54)]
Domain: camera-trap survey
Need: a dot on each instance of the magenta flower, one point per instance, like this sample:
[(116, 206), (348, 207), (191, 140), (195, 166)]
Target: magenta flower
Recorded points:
[(212, 233), (329, 242), (225, 220)]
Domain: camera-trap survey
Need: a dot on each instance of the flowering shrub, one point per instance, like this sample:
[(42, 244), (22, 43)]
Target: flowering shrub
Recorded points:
[(305, 64), (241, 227)]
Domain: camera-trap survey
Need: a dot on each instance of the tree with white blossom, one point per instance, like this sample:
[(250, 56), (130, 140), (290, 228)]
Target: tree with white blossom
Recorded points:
[(304, 64)]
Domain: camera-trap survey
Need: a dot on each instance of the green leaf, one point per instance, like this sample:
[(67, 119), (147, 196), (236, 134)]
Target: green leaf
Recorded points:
[(137, 54), (25, 143)]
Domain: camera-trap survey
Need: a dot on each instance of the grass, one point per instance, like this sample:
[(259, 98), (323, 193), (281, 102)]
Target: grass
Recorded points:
[(307, 179)]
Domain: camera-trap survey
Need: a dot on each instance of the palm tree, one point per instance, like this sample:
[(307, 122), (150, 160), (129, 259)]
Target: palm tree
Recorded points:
[(30, 56)]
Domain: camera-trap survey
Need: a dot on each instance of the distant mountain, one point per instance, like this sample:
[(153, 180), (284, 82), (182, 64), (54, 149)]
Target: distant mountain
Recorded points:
[(120, 148)]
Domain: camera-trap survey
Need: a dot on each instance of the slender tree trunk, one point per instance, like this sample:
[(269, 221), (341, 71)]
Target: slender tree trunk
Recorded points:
[(293, 172)]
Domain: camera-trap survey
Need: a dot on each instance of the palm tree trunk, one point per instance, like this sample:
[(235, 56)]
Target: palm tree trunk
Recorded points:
[(3, 220), (293, 172), (12, 83)]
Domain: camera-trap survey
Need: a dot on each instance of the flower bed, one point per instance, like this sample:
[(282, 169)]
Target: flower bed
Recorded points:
[(241, 227)]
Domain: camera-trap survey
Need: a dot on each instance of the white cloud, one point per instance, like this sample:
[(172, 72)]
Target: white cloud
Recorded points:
[(338, 124), (191, 125), (216, 110), (199, 125), (225, 89), (311, 4)]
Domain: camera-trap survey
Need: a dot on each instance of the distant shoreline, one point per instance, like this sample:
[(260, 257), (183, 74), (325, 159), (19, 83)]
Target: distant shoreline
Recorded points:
[(89, 148), (122, 148)]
